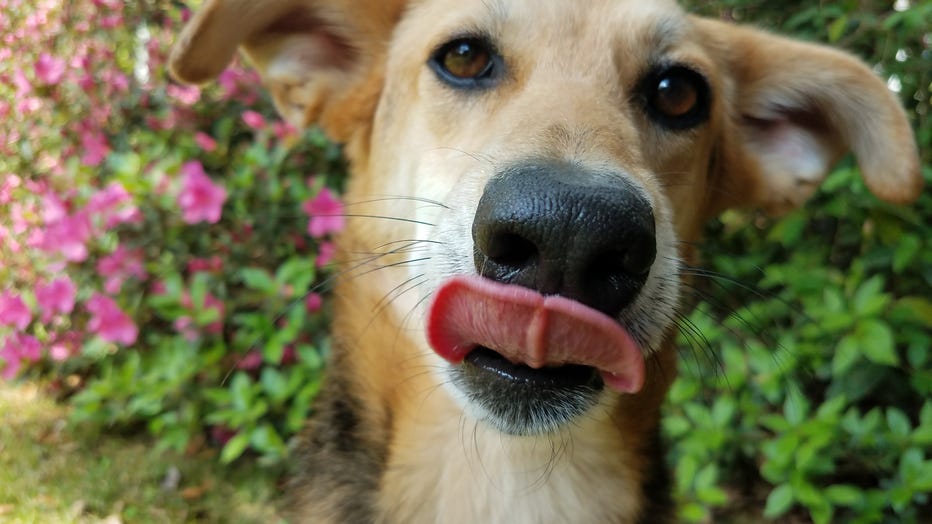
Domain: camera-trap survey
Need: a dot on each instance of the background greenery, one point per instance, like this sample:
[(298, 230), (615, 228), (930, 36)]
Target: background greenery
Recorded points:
[(806, 369), (807, 393)]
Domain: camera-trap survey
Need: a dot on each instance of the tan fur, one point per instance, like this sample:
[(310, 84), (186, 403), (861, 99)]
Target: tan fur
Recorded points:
[(358, 69)]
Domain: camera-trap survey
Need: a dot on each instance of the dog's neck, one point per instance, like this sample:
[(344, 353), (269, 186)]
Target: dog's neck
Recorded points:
[(442, 465), (446, 467)]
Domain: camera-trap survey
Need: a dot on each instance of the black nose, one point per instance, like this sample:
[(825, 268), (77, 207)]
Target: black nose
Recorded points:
[(564, 230)]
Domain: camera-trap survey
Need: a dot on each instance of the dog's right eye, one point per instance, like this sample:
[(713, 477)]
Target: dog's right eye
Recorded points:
[(677, 97), (466, 63)]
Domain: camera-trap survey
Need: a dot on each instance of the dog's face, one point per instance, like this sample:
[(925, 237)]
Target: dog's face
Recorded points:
[(557, 160), (556, 165)]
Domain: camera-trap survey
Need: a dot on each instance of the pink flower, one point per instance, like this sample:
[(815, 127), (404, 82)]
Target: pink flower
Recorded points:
[(200, 199), (205, 141), (313, 302), (119, 266), (68, 237), (186, 328), (110, 322), (49, 70), (53, 208), (326, 213), (13, 311), (185, 95), (95, 147), (17, 349), (56, 297), (65, 346), (253, 119), (213, 264), (23, 86), (250, 361), (115, 205), (325, 254), (11, 359)]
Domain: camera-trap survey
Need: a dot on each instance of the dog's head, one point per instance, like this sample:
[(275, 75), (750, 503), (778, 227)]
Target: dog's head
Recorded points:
[(570, 152)]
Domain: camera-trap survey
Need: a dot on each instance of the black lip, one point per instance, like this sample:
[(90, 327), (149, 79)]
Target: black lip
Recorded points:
[(566, 376)]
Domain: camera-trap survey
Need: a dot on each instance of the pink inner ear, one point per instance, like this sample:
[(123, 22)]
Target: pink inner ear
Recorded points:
[(794, 154), (299, 56), (788, 149)]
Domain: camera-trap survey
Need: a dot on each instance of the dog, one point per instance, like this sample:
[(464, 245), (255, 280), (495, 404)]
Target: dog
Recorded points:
[(528, 179)]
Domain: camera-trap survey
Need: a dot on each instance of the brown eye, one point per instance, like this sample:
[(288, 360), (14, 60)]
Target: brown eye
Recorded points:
[(465, 63), (467, 59), (677, 97)]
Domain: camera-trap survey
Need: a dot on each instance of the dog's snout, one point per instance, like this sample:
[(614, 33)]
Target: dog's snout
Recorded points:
[(565, 230)]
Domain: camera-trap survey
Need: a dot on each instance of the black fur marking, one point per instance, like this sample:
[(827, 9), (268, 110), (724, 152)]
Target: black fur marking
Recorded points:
[(658, 507), (340, 458)]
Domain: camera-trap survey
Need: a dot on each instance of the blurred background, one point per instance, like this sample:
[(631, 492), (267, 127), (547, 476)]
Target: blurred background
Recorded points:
[(165, 252)]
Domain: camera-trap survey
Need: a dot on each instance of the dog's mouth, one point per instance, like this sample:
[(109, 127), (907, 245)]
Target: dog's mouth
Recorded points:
[(551, 335), (530, 362)]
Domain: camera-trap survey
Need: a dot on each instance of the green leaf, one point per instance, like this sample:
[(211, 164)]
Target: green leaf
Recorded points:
[(898, 423), (258, 279), (847, 354), (779, 501), (837, 29), (266, 440), (274, 384), (869, 299), (844, 495), (234, 448), (876, 339), (796, 407), (907, 247)]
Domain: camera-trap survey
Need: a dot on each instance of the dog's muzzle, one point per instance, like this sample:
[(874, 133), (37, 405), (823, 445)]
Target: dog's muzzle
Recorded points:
[(560, 252)]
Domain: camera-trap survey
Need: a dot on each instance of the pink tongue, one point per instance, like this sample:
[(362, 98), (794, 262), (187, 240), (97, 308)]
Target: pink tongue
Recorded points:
[(528, 328)]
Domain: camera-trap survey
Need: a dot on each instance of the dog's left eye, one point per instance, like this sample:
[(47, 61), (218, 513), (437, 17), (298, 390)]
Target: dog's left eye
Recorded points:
[(465, 63), (677, 97)]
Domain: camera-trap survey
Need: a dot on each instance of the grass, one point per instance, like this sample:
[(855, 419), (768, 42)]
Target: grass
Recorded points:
[(53, 472)]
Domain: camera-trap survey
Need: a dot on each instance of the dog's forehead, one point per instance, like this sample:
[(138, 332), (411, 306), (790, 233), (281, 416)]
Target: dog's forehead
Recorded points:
[(605, 22)]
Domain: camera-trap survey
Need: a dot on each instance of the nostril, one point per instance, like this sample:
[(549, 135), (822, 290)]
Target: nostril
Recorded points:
[(638, 259), (511, 250)]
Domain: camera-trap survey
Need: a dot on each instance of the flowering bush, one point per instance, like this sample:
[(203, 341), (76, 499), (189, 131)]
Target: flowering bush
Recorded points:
[(160, 244)]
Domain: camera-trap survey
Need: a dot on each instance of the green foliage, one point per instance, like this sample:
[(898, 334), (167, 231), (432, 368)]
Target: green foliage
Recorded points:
[(192, 327), (807, 393)]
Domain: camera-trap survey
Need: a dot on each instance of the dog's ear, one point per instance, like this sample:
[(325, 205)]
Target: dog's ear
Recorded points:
[(792, 109), (320, 59)]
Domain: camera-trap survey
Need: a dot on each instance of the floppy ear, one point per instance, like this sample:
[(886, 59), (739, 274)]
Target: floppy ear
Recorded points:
[(793, 109), (320, 59)]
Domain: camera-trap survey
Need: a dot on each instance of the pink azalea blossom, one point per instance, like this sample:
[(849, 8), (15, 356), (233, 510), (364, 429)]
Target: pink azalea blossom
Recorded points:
[(10, 359), (95, 147), (201, 200), (67, 236), (186, 328), (205, 141), (16, 350), (325, 253), (250, 361), (313, 302), (253, 119), (185, 95), (326, 212), (22, 83), (109, 322), (118, 266), (56, 297), (49, 70), (13, 311), (114, 205), (53, 208), (65, 346)]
